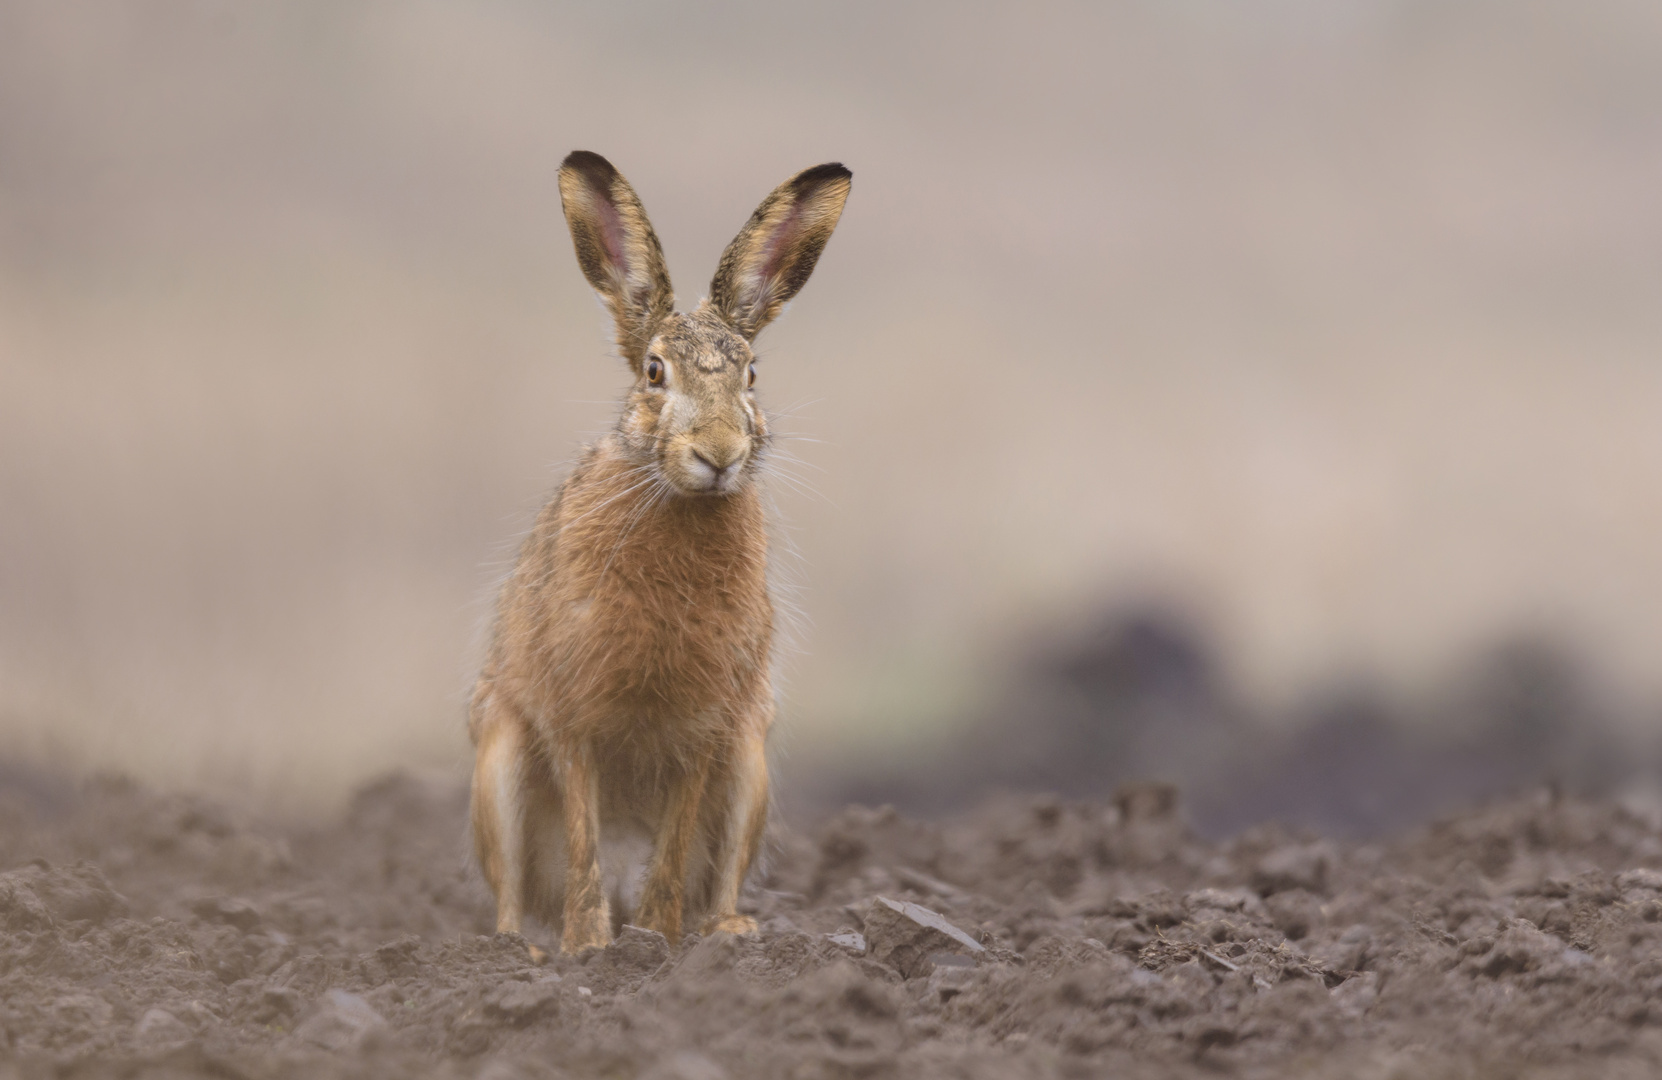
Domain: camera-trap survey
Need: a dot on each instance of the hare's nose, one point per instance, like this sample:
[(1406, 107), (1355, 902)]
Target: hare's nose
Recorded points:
[(718, 458), (719, 453)]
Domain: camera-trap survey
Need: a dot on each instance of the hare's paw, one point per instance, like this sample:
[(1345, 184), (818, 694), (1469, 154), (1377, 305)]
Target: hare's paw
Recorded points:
[(665, 920), (730, 924), (590, 929)]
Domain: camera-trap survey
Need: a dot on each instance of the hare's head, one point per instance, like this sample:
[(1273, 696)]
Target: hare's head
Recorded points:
[(691, 413)]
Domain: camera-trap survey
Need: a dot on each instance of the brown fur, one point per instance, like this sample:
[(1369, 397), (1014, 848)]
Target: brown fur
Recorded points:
[(627, 685)]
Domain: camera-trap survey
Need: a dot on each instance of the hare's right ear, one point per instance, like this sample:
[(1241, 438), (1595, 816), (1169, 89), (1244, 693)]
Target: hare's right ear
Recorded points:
[(617, 249), (771, 258)]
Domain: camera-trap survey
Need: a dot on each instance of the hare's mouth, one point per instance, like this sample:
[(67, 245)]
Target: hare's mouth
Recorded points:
[(704, 471)]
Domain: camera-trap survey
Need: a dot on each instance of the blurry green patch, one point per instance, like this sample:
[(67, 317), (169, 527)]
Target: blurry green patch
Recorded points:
[(899, 702)]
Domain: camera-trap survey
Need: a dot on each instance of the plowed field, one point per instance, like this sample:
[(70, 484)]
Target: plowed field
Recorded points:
[(160, 936)]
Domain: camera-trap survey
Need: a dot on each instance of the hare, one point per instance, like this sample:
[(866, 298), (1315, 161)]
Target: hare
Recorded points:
[(626, 692)]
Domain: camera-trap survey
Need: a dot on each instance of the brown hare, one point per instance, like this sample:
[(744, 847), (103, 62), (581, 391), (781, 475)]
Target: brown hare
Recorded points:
[(626, 694)]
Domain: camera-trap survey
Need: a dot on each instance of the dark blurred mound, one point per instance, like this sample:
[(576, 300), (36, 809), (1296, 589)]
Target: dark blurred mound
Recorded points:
[(1142, 697)]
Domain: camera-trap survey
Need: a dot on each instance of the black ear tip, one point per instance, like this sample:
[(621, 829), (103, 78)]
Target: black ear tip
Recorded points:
[(820, 175), (591, 167)]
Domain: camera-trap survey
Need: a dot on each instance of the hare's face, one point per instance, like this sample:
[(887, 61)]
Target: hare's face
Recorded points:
[(692, 410)]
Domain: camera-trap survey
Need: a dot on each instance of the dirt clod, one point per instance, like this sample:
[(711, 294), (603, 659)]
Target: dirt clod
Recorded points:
[(340, 1020), (160, 1028), (223, 909), (1296, 866)]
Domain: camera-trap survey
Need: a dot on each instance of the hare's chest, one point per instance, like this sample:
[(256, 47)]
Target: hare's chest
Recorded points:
[(646, 663), (660, 614), (682, 628)]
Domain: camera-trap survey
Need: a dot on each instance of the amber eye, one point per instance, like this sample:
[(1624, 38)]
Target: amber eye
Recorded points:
[(655, 372), (750, 377)]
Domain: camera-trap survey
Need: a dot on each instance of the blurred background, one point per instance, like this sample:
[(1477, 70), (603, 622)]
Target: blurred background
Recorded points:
[(1259, 396)]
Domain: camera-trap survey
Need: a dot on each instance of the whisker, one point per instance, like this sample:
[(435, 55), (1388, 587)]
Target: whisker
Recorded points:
[(591, 511), (786, 455), (798, 485), (635, 518), (789, 411)]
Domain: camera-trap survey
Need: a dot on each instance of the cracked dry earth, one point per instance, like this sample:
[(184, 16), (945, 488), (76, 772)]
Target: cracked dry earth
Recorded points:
[(144, 935)]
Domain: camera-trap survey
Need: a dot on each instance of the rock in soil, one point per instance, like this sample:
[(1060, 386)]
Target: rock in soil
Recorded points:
[(912, 939)]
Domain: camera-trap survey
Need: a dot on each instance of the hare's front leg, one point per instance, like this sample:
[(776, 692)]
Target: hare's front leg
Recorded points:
[(498, 808), (587, 917), (741, 839), (666, 880)]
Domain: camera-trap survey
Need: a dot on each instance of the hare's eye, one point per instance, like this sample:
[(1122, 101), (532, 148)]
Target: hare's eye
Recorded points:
[(655, 372), (750, 377)]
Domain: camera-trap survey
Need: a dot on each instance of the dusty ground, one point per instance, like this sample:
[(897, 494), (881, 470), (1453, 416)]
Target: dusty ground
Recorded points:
[(161, 936)]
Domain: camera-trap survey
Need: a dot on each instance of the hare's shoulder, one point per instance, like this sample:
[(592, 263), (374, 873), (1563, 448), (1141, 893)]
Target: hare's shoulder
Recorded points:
[(543, 541)]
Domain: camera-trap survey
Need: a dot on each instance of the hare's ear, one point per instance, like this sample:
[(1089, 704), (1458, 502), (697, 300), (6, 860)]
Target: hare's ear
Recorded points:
[(617, 249), (771, 258)]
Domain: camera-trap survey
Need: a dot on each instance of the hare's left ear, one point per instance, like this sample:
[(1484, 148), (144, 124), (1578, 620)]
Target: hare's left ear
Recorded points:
[(771, 258)]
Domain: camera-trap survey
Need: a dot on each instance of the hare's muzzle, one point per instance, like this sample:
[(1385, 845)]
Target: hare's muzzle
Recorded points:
[(713, 459)]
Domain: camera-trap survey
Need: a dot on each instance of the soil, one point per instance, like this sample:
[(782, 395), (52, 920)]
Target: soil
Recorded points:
[(152, 935)]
